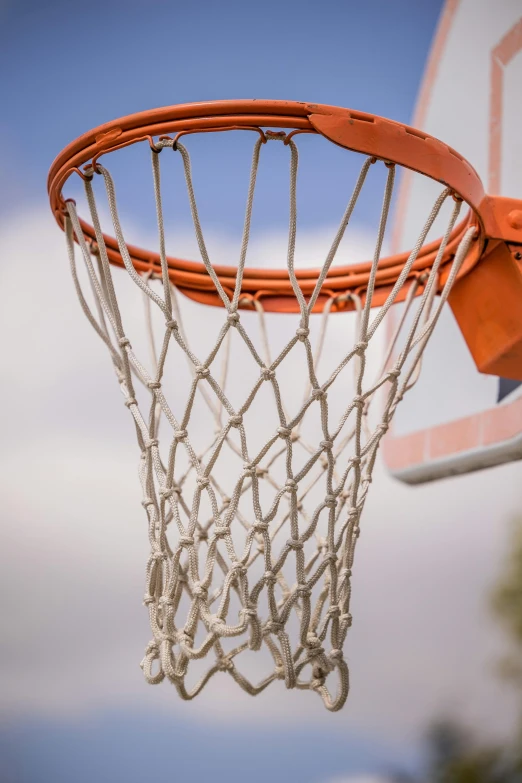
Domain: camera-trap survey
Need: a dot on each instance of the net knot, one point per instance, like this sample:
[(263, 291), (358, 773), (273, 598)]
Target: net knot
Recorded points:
[(233, 318), (151, 443), (356, 532), (290, 485), (216, 625), (330, 557), (269, 577), (318, 394), (249, 469), (202, 482), (274, 626), (284, 432), (326, 445), (356, 460), (236, 420), (167, 492), (154, 385), (146, 502), (220, 531), (345, 573), (148, 599), (260, 526), (302, 333), (202, 372), (330, 501), (157, 556), (130, 401), (180, 434), (172, 325), (267, 374), (303, 590), (346, 620), (224, 664), (185, 639), (166, 601), (360, 347), (393, 373), (314, 644), (383, 428), (124, 341), (358, 400), (152, 649), (335, 654), (238, 567), (199, 591), (248, 611), (334, 611), (186, 541), (294, 543)]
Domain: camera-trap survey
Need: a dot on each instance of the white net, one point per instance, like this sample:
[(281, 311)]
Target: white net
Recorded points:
[(252, 543)]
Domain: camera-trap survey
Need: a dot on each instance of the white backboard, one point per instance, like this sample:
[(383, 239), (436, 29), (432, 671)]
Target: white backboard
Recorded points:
[(456, 420)]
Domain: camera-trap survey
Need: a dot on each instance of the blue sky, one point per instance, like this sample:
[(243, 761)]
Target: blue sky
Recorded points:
[(98, 748), (69, 67), (77, 707)]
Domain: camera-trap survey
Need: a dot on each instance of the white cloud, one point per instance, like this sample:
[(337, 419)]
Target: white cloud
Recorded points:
[(74, 541)]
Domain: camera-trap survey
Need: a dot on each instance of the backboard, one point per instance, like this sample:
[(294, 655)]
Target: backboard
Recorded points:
[(456, 420)]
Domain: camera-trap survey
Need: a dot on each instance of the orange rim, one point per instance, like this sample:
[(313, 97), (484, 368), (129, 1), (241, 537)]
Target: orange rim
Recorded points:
[(365, 133)]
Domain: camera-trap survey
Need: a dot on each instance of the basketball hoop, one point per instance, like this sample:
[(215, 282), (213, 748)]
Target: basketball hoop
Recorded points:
[(208, 577)]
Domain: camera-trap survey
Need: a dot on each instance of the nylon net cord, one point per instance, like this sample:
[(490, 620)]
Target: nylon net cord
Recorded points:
[(196, 567)]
